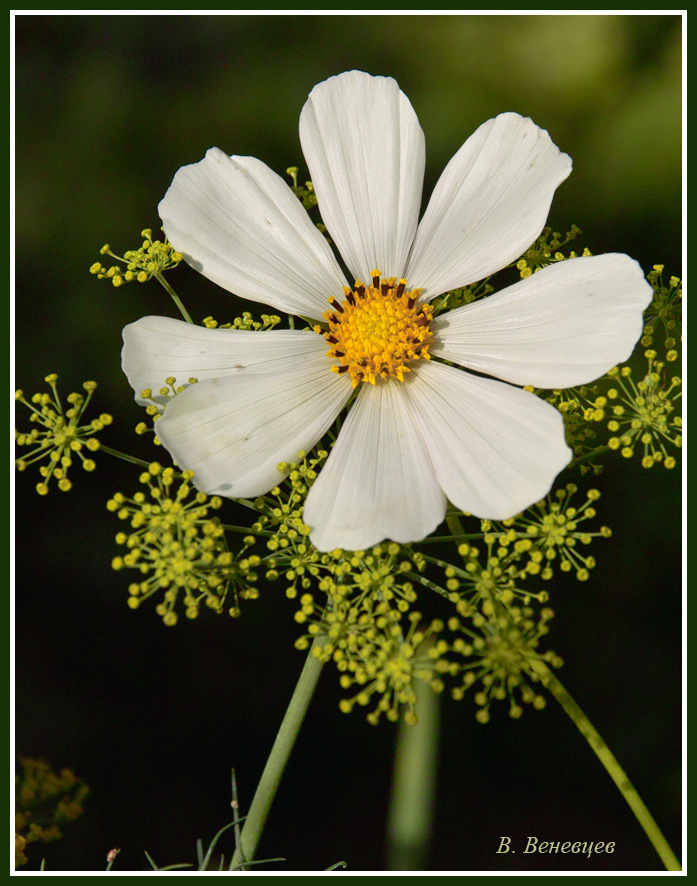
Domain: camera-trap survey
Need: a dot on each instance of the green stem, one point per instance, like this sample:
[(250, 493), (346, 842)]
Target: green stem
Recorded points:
[(310, 322), (122, 455), (467, 536), (414, 786), (609, 761), (599, 450), (427, 583), (444, 565), (280, 752), (453, 523), (247, 503), (175, 298), (245, 529), (590, 733)]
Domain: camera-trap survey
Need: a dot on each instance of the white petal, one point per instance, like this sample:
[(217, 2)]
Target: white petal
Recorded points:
[(495, 449), (240, 225), (378, 482), (232, 432), (488, 206), (365, 152), (157, 348), (562, 326)]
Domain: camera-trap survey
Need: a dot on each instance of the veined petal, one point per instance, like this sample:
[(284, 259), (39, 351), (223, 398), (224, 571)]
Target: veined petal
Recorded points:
[(366, 154), (157, 348), (239, 224), (233, 431), (378, 481), (488, 206), (495, 449), (562, 326)]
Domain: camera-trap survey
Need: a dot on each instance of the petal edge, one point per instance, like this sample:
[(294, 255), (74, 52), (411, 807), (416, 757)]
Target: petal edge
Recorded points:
[(495, 448), (378, 481), (366, 154), (563, 326), (240, 225), (488, 206)]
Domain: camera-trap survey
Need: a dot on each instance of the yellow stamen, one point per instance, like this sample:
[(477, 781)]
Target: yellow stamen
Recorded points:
[(378, 330)]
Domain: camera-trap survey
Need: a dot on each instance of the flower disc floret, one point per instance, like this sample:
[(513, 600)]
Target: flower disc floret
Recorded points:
[(377, 330)]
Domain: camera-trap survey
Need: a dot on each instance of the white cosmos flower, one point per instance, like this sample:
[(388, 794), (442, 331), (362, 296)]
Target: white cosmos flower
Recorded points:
[(421, 431)]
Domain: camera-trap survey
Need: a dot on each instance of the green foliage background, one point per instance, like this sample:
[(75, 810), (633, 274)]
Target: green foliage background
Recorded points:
[(108, 107)]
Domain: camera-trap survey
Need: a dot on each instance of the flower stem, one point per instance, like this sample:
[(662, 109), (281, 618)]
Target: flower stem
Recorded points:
[(414, 786), (453, 523), (427, 583), (280, 752), (244, 529), (590, 733), (123, 456), (599, 450), (467, 536), (609, 761), (175, 298)]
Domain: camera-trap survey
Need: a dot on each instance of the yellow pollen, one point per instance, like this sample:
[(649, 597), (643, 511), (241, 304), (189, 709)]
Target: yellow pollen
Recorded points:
[(377, 330)]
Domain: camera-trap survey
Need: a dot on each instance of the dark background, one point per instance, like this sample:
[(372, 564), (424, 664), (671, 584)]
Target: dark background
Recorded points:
[(107, 109)]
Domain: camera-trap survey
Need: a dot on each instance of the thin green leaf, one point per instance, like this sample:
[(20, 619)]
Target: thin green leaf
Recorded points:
[(213, 843), (152, 863), (248, 864)]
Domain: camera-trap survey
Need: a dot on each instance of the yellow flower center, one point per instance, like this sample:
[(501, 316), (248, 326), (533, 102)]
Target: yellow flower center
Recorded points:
[(377, 330)]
